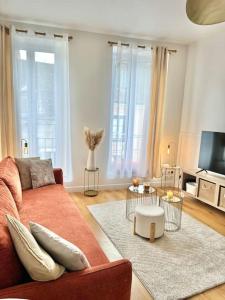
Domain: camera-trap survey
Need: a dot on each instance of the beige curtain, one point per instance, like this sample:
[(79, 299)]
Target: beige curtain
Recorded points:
[(7, 125), (159, 78)]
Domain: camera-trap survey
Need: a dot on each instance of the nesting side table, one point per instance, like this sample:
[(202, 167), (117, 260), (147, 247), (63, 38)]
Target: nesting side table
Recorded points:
[(170, 177), (138, 196), (91, 182), (173, 212)]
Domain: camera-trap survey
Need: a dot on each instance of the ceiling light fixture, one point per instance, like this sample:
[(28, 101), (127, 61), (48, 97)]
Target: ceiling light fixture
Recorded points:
[(206, 12)]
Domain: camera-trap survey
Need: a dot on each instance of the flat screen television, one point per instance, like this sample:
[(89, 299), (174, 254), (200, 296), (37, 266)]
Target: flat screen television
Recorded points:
[(212, 152)]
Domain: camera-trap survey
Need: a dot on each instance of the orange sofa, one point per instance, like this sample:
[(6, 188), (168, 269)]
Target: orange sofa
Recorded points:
[(52, 207)]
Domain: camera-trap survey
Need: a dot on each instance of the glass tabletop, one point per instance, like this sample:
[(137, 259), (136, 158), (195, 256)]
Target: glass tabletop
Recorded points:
[(174, 199), (141, 190)]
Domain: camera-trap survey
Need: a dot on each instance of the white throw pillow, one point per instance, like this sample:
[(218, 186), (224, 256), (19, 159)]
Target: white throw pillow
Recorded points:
[(64, 252), (37, 262)]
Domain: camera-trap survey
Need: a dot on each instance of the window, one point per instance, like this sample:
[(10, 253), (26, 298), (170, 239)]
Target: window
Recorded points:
[(130, 106), (42, 101)]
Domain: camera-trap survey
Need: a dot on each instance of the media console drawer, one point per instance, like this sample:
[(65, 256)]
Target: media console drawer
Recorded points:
[(207, 190), (222, 197)]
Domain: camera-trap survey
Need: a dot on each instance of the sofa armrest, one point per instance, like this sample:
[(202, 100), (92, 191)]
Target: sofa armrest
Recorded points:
[(58, 174), (109, 282)]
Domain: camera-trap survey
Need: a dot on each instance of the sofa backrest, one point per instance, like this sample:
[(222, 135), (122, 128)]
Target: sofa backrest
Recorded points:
[(11, 270), (9, 174)]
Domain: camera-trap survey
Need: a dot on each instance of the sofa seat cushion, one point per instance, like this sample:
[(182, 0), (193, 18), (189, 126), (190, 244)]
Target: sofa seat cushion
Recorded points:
[(52, 207), (10, 175), (11, 270)]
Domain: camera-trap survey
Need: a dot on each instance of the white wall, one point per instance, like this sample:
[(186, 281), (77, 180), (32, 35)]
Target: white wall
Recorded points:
[(204, 97), (90, 83)]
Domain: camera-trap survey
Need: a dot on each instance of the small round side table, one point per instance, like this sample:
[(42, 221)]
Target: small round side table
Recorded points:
[(173, 212), (170, 177), (91, 182), (138, 196)]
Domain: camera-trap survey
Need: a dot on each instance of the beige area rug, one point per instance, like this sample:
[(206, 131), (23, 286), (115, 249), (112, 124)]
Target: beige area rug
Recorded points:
[(176, 266)]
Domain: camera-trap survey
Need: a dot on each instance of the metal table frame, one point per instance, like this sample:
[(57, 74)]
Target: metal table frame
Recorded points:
[(168, 173), (138, 196), (91, 190), (173, 212)]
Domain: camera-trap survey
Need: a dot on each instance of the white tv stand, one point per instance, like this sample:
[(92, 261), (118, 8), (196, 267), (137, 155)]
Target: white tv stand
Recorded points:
[(210, 187)]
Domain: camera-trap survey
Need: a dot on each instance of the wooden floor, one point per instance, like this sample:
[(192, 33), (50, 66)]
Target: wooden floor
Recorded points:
[(204, 213)]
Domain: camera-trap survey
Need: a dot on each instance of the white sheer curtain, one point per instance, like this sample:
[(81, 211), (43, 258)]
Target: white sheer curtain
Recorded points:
[(41, 80), (130, 106)]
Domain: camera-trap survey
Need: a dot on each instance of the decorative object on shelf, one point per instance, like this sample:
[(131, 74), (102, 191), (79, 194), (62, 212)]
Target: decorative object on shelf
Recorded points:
[(173, 211), (136, 182), (206, 12), (93, 139), (138, 196), (24, 147), (91, 182)]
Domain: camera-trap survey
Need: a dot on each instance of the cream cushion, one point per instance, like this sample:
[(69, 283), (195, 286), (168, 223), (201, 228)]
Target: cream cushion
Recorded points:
[(64, 252), (147, 214), (37, 262)]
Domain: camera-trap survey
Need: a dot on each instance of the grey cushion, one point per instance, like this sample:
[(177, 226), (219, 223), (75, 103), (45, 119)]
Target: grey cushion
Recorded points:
[(41, 173), (23, 165), (64, 252), (37, 262)]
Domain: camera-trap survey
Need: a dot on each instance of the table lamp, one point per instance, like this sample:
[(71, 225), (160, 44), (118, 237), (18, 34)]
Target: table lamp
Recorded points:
[(24, 147)]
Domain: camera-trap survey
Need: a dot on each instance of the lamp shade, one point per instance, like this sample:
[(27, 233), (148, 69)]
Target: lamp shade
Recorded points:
[(206, 12)]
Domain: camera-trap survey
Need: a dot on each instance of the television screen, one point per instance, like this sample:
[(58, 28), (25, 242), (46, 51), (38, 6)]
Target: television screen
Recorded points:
[(212, 152)]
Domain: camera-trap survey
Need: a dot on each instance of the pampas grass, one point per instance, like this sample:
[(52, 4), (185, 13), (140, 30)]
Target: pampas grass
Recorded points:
[(93, 139)]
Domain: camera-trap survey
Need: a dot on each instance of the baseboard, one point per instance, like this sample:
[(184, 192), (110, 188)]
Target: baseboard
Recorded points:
[(101, 187), (112, 186)]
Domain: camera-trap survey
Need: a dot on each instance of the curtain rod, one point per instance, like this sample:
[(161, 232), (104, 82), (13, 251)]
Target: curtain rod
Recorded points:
[(44, 33), (139, 46)]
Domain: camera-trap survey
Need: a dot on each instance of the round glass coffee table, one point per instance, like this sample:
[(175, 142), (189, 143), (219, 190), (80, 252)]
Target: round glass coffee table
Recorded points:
[(137, 195), (173, 211)]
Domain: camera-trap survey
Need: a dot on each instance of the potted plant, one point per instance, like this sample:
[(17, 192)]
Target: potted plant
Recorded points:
[(92, 139)]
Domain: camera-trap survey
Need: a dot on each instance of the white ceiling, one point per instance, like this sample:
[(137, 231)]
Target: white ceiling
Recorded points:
[(163, 20)]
